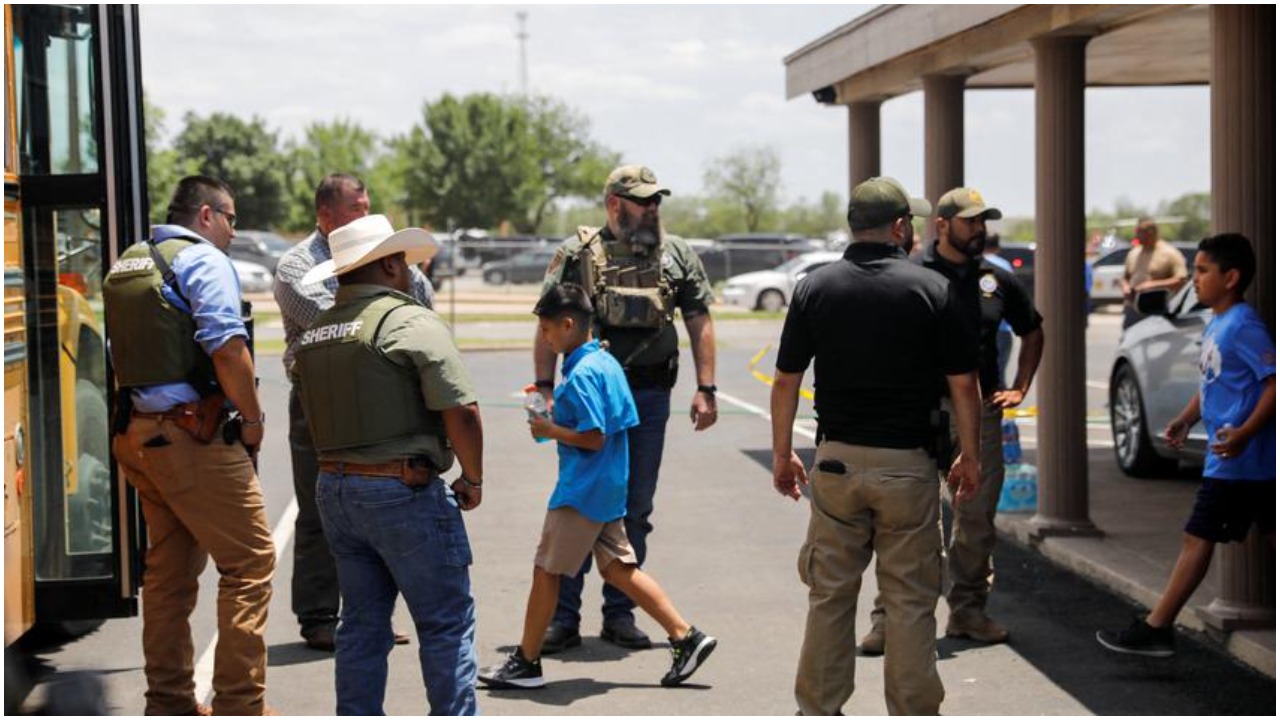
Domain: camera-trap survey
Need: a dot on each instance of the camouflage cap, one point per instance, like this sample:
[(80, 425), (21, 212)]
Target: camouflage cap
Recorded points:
[(635, 181), (966, 203), (881, 200)]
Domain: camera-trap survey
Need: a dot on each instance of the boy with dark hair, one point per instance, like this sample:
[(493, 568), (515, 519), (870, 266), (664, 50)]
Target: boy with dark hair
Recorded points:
[(591, 413), (1237, 401)]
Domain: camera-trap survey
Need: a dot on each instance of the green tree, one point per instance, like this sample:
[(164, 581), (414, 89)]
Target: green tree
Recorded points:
[(246, 156), (483, 159), (751, 178), (1195, 209), (329, 147), (164, 169), (471, 162)]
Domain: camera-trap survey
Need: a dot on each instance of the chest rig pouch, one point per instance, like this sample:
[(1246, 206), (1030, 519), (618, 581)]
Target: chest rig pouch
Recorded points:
[(628, 292)]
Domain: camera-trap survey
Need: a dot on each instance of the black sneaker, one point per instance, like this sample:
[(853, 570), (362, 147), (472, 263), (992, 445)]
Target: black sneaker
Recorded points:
[(559, 638), (687, 655), (514, 674), (1139, 639)]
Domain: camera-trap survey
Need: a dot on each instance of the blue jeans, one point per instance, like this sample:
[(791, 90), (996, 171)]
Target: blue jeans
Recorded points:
[(645, 441), (388, 538)]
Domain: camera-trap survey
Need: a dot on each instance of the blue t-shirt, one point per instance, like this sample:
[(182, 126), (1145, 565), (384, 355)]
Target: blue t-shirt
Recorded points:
[(1236, 356), (594, 395)]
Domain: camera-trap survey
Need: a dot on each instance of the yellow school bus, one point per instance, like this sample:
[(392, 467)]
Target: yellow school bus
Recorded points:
[(75, 194)]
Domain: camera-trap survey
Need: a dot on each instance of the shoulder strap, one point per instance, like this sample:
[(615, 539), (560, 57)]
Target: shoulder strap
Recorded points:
[(166, 272)]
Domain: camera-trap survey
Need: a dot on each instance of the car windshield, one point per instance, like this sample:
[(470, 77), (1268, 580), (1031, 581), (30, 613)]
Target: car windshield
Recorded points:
[(274, 242), (792, 265)]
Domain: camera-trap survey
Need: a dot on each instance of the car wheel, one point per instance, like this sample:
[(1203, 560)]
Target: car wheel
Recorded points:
[(1135, 454), (495, 277), (770, 301)]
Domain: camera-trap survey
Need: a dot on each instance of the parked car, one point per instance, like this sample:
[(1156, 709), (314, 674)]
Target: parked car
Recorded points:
[(1155, 373), (254, 278), (1108, 271), (259, 246), (527, 267), (749, 252), (1023, 259), (771, 289)]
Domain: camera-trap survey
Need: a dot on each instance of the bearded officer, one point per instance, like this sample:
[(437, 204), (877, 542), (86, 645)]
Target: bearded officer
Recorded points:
[(637, 276), (390, 406), (991, 295)]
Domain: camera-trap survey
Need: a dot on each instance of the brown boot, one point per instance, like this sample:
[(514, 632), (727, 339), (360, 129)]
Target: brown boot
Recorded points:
[(975, 625), (872, 644)]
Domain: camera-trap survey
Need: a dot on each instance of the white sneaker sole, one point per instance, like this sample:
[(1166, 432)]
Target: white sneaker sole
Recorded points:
[(513, 684), (696, 658)]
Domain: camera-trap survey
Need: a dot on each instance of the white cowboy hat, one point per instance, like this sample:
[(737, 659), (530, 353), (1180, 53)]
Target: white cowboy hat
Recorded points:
[(369, 238)]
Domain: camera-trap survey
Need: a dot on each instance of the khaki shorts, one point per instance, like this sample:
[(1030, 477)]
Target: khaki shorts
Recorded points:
[(568, 537)]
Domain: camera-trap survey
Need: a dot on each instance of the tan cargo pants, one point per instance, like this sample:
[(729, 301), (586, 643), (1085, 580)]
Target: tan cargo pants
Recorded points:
[(200, 500), (886, 504)]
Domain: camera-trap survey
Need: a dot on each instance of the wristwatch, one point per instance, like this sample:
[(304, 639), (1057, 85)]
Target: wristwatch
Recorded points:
[(250, 423), (709, 390)]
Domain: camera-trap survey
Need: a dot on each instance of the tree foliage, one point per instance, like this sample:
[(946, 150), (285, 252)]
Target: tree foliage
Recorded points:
[(750, 177), (164, 169), (328, 147), (246, 156)]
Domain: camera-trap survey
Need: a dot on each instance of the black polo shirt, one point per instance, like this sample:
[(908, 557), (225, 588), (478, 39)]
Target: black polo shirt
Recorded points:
[(989, 294), (881, 331)]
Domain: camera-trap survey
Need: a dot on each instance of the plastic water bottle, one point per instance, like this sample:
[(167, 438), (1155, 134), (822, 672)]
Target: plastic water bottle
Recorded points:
[(1012, 443), (535, 404), (1019, 492)]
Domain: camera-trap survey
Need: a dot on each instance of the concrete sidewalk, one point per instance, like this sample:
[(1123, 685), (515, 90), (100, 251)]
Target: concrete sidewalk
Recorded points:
[(1142, 522)]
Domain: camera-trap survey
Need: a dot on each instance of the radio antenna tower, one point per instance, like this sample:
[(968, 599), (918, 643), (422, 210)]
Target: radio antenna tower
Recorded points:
[(523, 36)]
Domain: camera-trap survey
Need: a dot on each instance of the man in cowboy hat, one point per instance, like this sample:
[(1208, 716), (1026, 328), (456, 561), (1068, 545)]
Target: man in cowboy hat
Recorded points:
[(390, 406), (339, 199)]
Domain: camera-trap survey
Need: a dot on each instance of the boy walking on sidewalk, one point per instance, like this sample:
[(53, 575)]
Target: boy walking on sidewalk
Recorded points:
[(1237, 401), (591, 412)]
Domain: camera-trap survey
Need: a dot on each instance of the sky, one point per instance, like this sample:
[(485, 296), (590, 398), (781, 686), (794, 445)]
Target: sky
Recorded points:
[(671, 87)]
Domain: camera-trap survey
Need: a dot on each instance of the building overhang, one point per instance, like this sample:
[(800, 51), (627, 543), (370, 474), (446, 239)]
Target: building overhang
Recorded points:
[(888, 51)]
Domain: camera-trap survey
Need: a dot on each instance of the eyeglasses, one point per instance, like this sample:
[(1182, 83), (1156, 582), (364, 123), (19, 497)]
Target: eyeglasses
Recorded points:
[(653, 200), (230, 216)]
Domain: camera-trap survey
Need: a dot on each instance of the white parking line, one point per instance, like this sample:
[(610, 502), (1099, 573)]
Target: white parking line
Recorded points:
[(204, 667), (757, 410), (1097, 385)]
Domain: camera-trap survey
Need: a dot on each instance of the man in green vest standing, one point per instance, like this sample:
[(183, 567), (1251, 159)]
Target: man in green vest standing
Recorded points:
[(390, 406), (178, 345)]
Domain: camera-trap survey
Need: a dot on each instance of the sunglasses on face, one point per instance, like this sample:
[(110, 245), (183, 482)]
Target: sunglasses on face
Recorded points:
[(652, 201)]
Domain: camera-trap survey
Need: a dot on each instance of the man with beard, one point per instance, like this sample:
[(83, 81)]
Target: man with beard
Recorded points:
[(637, 276), (989, 295)]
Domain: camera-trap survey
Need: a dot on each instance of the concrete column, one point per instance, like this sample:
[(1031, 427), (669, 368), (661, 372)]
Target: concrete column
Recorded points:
[(943, 135), (1242, 104), (864, 141), (1061, 451)]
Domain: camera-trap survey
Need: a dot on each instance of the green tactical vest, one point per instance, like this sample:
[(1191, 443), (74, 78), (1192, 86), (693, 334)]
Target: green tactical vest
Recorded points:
[(628, 292), (152, 341), (353, 395)]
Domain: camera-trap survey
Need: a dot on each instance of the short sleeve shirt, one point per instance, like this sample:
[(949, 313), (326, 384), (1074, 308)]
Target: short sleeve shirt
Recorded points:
[(594, 395), (882, 332), (414, 336), (685, 275), (1236, 356)]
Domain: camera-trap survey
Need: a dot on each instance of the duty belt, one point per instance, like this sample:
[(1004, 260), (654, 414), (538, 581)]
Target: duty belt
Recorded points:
[(410, 471)]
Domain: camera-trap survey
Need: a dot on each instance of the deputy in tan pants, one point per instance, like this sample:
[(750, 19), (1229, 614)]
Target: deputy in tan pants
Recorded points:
[(881, 333), (183, 366)]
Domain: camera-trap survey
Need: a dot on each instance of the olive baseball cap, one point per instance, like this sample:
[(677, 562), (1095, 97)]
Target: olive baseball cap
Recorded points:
[(635, 181), (966, 203), (881, 200)]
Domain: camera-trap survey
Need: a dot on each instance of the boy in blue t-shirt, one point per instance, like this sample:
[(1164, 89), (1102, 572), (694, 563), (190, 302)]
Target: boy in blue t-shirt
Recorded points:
[(591, 412), (1237, 401)]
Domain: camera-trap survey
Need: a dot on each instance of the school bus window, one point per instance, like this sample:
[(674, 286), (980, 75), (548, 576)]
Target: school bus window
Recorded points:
[(61, 138)]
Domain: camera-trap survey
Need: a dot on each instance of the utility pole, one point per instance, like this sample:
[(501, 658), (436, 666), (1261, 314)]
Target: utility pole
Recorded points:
[(522, 36)]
